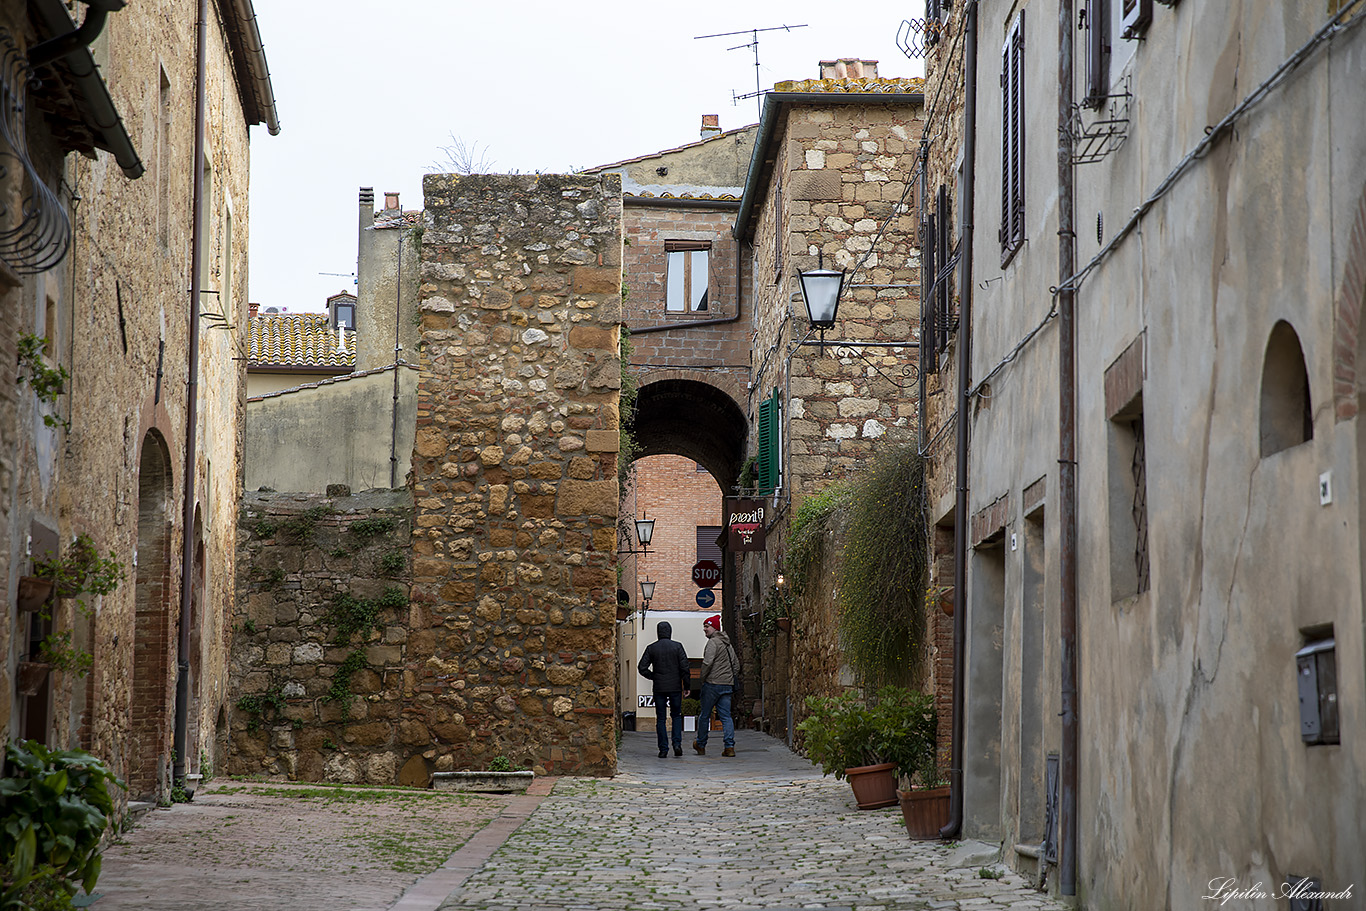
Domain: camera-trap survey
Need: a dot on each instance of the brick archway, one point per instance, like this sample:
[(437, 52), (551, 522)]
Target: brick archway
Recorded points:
[(152, 625), (1347, 354), (678, 414)]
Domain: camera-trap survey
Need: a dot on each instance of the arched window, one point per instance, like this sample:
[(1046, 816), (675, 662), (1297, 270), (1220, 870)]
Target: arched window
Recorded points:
[(1286, 417)]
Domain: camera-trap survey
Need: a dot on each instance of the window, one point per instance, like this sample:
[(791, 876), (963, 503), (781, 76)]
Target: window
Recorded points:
[(777, 226), (1286, 417), (1137, 15), (1012, 140), (767, 465), (346, 316), (707, 548), (1128, 465), (1097, 52), (688, 273)]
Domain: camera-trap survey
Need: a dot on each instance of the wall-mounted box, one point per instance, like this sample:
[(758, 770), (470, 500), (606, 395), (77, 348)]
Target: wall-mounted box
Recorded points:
[(1317, 675)]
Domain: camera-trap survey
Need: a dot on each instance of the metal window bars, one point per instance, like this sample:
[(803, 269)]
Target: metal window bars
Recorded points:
[(1140, 506), (35, 236)]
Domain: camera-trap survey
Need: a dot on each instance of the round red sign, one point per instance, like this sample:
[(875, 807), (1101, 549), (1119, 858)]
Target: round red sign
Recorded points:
[(706, 574)]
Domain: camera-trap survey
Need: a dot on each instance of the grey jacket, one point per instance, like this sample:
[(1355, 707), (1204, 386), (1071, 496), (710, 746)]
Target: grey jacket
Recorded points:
[(665, 662), (719, 661)]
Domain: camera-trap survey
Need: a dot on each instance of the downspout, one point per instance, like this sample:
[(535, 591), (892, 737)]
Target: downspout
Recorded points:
[(398, 309), (182, 687), (1067, 460), (961, 525)]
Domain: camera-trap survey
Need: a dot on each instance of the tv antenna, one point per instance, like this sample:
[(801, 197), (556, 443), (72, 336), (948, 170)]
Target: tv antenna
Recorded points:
[(350, 275), (752, 43)]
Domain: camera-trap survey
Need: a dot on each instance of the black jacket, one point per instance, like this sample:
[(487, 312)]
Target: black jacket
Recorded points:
[(665, 662)]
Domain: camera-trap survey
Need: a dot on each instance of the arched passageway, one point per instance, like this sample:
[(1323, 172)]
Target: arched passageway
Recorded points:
[(694, 419), (152, 644)]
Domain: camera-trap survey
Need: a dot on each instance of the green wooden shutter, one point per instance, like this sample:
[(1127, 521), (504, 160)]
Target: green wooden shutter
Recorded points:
[(767, 463)]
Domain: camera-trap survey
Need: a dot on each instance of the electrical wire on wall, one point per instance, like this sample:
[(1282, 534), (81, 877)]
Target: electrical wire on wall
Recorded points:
[(1329, 31)]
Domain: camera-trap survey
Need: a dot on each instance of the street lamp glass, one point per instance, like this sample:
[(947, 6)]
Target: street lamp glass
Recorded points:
[(645, 530), (647, 590), (821, 292)]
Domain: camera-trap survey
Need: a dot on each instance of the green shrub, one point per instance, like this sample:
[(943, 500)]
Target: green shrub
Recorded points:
[(841, 732), (369, 528), (56, 807)]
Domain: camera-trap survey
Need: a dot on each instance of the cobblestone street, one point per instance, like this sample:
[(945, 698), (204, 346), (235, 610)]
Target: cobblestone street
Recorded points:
[(761, 831)]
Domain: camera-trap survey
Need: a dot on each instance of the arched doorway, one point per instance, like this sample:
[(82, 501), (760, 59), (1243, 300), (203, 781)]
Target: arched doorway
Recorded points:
[(152, 643)]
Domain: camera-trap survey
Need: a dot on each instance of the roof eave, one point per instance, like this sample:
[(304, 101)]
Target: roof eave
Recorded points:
[(775, 105)]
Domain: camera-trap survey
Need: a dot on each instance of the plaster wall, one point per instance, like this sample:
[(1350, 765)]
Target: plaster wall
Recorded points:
[(1189, 711), (386, 306), (340, 432)]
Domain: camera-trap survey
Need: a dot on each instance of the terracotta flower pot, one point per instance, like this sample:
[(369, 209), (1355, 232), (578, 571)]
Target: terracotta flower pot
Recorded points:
[(874, 785), (785, 624), (623, 613), (925, 811), (30, 676), (33, 592)]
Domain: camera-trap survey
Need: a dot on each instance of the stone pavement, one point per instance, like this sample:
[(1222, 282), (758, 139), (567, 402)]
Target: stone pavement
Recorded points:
[(761, 831)]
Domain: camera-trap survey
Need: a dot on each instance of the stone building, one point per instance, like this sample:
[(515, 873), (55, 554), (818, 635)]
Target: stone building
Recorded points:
[(828, 183), (1187, 363), (139, 452)]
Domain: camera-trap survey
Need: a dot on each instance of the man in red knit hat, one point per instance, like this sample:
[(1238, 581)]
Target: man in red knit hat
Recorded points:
[(720, 666)]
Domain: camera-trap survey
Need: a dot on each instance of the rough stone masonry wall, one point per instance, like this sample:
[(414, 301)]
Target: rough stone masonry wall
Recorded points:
[(515, 467), (298, 709)]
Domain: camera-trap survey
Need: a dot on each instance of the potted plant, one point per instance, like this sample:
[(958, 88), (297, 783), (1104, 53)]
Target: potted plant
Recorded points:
[(908, 725), (841, 736), (691, 707)]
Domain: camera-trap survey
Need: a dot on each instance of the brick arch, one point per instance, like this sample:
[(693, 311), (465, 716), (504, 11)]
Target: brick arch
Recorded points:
[(680, 413), (1347, 353), (152, 644)]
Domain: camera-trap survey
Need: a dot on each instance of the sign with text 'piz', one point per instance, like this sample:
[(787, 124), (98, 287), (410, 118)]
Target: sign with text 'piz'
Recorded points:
[(744, 524)]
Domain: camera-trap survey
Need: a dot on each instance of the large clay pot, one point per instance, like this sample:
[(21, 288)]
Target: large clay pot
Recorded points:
[(33, 592), (874, 785), (925, 811), (30, 676)]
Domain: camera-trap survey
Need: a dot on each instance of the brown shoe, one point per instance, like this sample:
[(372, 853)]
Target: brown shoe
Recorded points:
[(701, 750), (728, 751)]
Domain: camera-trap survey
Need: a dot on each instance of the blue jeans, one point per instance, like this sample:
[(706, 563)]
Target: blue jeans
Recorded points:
[(669, 704), (716, 695)]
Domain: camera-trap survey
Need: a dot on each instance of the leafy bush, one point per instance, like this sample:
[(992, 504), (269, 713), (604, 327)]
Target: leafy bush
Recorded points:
[(842, 733), (56, 809)]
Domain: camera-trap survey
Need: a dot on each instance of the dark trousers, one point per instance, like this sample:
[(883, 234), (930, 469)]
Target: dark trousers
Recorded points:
[(669, 704)]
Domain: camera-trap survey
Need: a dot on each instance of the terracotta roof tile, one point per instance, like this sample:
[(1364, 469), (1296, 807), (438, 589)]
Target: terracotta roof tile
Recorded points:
[(854, 86), (298, 340)]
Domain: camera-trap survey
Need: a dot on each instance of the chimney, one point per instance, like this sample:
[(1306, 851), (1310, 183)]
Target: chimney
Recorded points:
[(711, 125), (849, 68), (367, 197), (252, 310), (390, 201)]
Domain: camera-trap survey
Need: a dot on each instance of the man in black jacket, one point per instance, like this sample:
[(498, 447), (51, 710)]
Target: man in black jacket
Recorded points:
[(665, 662)]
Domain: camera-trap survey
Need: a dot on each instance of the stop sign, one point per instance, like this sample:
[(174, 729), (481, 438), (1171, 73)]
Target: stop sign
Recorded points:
[(705, 573)]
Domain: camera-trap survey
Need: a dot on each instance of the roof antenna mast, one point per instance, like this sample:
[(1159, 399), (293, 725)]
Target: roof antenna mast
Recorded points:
[(752, 43)]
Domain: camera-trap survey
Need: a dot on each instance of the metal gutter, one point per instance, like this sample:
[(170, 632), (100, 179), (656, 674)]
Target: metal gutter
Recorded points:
[(962, 524), (182, 689), (679, 202), (768, 121), (99, 112), (252, 70)]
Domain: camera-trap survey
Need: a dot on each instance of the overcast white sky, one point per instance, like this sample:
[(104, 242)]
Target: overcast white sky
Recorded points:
[(368, 91)]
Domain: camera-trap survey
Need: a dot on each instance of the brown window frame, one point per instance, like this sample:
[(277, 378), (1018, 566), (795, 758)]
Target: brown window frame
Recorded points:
[(688, 246), (1012, 234)]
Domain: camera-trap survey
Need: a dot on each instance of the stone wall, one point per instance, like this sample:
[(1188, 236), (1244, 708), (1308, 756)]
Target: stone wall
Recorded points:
[(515, 473), (303, 707)]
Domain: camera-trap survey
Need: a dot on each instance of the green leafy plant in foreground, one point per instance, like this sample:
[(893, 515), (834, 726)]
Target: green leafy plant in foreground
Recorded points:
[(56, 809)]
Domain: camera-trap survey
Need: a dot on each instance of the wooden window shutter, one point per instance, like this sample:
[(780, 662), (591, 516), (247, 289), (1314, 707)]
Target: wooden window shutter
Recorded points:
[(767, 465), (1012, 139)]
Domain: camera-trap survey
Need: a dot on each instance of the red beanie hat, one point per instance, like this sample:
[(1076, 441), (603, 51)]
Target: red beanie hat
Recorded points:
[(714, 621)]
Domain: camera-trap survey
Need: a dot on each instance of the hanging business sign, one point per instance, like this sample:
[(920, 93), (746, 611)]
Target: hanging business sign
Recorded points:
[(744, 524)]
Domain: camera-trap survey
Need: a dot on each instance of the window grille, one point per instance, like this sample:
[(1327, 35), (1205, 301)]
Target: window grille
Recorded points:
[(1140, 509), (1012, 140)]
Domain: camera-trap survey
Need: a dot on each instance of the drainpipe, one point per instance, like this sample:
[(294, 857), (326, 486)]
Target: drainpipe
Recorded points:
[(90, 28), (719, 321), (182, 687), (1067, 460), (961, 524), (398, 309)]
